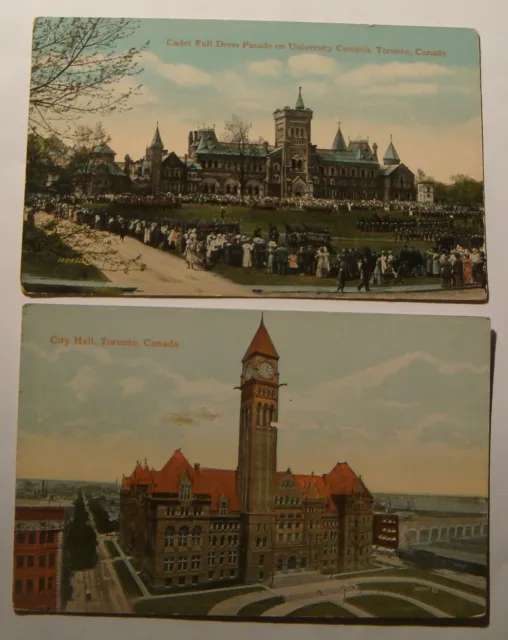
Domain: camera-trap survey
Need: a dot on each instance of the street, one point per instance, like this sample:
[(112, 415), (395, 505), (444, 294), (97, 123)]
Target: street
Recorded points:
[(107, 595)]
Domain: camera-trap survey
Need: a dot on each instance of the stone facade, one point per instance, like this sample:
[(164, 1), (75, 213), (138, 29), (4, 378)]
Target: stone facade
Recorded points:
[(187, 525), (292, 166)]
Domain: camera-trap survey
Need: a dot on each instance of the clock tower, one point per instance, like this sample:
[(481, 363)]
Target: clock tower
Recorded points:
[(257, 452)]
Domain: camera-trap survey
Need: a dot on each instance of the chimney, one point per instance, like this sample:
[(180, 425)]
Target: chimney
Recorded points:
[(185, 158), (196, 466)]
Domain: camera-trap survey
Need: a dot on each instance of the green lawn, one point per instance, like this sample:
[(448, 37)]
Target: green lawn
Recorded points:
[(257, 608), (191, 604), (446, 602), (47, 256), (321, 610), (112, 549), (386, 607), (128, 583)]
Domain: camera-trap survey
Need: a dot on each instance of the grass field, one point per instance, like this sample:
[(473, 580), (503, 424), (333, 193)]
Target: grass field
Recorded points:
[(387, 607), (128, 583), (257, 608), (321, 610), (192, 604), (446, 602)]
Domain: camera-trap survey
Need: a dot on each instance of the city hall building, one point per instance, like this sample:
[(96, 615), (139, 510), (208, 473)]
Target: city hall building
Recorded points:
[(188, 525), (292, 167)]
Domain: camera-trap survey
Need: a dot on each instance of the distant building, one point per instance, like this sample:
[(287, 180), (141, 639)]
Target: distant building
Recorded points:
[(104, 175), (188, 525), (385, 531), (292, 166), (38, 554), (425, 192)]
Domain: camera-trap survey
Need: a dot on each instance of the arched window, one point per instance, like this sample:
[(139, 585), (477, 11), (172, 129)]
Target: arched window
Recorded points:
[(265, 413), (277, 178), (183, 534), (353, 173), (258, 414), (169, 537), (196, 536), (292, 131), (276, 167), (223, 507), (299, 165), (272, 414)]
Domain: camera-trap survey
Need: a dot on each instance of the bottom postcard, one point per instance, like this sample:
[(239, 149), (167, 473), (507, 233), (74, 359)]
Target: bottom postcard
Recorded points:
[(291, 466)]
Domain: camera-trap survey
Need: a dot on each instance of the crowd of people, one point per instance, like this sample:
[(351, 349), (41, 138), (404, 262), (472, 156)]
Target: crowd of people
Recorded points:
[(304, 251)]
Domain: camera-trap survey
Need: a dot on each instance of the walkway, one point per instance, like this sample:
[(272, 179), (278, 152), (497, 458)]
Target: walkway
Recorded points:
[(398, 596), (131, 569), (298, 596)]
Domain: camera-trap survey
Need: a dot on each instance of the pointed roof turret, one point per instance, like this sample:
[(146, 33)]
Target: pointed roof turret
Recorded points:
[(391, 156), (339, 144), (157, 140), (261, 344), (299, 101)]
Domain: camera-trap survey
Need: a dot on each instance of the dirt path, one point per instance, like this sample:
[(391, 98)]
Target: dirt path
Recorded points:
[(164, 275)]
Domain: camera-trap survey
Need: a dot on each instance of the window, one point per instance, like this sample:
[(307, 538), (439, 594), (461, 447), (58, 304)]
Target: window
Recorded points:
[(30, 561), (42, 584), (42, 561), (21, 538), (261, 575), (32, 538), (221, 557), (185, 491), (51, 559), (29, 585), (181, 581), (169, 564), (51, 536), (222, 541), (182, 563), (168, 582), (261, 560), (196, 562), (196, 536), (19, 586), (210, 575), (223, 509), (232, 573), (183, 535), (169, 537), (20, 562), (195, 579), (232, 557), (211, 557), (42, 537)]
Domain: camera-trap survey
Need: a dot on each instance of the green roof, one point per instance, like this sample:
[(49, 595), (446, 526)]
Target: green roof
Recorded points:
[(103, 149), (299, 101), (339, 144), (329, 155), (391, 156)]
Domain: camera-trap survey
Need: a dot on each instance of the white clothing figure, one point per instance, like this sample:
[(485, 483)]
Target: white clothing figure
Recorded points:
[(247, 255)]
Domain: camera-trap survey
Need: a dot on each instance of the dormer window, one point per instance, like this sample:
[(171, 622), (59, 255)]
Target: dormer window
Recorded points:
[(223, 507), (287, 484), (185, 491)]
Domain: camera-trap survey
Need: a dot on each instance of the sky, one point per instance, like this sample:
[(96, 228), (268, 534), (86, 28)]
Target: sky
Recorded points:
[(403, 399), (430, 104)]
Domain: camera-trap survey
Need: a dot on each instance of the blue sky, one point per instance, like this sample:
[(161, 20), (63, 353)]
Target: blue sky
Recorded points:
[(430, 104), (404, 399)]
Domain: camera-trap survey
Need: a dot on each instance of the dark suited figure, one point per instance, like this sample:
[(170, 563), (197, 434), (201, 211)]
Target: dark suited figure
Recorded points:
[(342, 274), (364, 274)]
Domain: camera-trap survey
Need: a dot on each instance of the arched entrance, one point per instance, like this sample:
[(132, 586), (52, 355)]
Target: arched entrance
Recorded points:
[(303, 562), (292, 563), (279, 564)]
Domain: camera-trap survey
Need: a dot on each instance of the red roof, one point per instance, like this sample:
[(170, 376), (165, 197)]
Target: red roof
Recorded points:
[(216, 483), (342, 480), (261, 344)]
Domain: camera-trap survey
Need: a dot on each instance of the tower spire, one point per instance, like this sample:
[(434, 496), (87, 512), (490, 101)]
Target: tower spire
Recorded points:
[(339, 144), (157, 140), (261, 343), (299, 101)]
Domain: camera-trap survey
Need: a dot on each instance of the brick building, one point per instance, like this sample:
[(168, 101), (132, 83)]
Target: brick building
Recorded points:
[(38, 555), (291, 166), (385, 530), (187, 525)]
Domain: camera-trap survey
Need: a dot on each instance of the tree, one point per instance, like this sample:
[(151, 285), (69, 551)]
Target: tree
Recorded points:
[(45, 161), (77, 68), (420, 175), (466, 190), (86, 154), (237, 134)]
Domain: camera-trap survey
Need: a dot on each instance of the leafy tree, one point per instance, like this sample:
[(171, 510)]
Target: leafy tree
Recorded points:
[(237, 134), (81, 540), (45, 160), (77, 66), (84, 156)]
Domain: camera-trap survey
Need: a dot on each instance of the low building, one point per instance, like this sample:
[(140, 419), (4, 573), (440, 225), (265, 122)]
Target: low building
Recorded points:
[(385, 531), (425, 192), (38, 554)]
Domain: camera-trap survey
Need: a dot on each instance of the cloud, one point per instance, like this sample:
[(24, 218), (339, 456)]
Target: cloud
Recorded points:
[(311, 64), (55, 352), (182, 419), (83, 382), (132, 385), (371, 74), (140, 95), (270, 68), (402, 89), (184, 75)]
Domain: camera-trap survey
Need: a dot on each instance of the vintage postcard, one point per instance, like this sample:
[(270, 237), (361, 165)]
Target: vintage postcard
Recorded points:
[(236, 465), (240, 159)]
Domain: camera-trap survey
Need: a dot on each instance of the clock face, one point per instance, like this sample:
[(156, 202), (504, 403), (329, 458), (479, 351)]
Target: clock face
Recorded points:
[(248, 371), (265, 370)]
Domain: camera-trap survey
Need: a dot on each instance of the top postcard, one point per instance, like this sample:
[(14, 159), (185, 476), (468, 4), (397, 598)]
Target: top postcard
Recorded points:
[(254, 159)]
